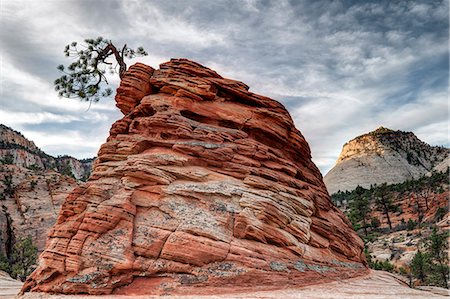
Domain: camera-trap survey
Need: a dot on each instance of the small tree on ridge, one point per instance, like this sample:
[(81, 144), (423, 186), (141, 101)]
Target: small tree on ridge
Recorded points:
[(83, 78)]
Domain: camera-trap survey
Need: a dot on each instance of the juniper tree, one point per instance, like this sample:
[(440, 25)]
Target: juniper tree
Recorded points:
[(85, 77)]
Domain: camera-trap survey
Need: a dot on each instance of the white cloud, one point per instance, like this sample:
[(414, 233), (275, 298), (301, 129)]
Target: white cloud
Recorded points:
[(149, 22), (70, 142), (14, 119), (342, 69)]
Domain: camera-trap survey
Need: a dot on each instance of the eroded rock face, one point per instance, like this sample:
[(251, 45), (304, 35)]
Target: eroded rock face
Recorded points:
[(202, 187)]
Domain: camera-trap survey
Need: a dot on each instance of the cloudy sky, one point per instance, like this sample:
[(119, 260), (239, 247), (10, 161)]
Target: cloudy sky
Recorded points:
[(342, 68)]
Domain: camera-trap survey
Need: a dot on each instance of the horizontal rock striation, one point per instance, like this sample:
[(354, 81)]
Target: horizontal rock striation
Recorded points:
[(202, 187)]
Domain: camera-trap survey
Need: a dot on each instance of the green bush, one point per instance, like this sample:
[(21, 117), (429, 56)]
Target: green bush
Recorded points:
[(440, 213), (431, 267), (22, 260), (34, 167), (375, 223), (411, 224), (4, 264), (8, 159), (384, 266), (9, 187), (65, 169), (33, 184), (378, 265)]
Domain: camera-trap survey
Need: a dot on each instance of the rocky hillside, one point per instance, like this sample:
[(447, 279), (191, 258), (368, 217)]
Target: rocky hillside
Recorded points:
[(202, 187), (33, 186), (384, 156), (15, 149), (30, 201), (397, 220)]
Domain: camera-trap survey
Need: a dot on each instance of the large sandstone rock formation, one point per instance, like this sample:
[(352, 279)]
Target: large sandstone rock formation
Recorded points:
[(202, 187), (384, 156)]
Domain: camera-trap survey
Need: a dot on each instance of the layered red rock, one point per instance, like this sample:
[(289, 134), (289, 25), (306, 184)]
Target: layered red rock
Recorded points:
[(202, 187)]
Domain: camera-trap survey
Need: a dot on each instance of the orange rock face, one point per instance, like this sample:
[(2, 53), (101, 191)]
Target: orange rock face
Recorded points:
[(202, 187)]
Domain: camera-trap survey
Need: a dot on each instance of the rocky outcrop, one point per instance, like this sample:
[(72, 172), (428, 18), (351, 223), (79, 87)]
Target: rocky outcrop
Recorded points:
[(383, 156), (15, 149), (202, 186)]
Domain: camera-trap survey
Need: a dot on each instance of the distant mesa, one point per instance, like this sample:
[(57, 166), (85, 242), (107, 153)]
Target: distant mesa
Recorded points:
[(201, 188), (384, 156)]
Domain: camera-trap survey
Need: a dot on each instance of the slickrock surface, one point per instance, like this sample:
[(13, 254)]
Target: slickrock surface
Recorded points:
[(384, 156), (376, 285), (9, 287), (202, 188)]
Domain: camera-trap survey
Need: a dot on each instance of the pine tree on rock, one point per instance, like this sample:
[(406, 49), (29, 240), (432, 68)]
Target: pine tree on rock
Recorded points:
[(85, 77)]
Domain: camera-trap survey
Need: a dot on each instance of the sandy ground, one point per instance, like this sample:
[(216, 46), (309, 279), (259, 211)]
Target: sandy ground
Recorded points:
[(377, 284)]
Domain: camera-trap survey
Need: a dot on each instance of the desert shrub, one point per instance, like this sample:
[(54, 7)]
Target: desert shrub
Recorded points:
[(372, 236), (34, 167), (374, 222), (33, 184), (4, 264), (378, 265), (440, 213), (65, 169), (411, 224), (8, 159), (9, 187), (382, 265)]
